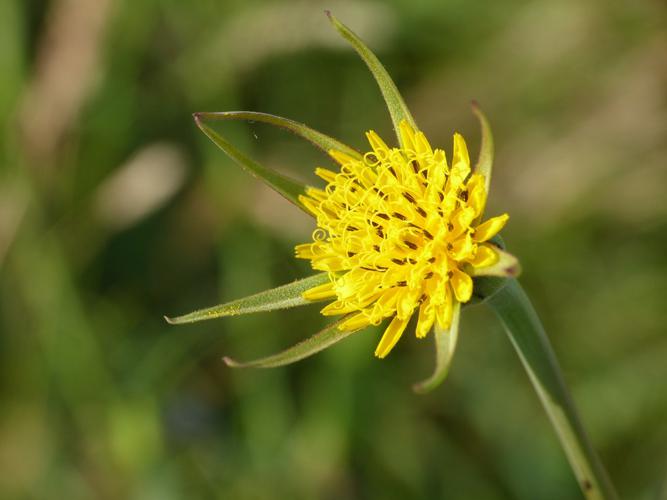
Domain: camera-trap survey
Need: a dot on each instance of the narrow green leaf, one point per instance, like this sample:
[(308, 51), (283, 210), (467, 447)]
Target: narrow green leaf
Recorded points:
[(445, 345), (322, 141), (392, 97), (507, 266), (531, 343), (312, 345), (282, 297), (484, 163), (287, 187)]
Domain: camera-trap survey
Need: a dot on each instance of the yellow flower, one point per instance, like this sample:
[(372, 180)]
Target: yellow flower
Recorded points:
[(399, 233)]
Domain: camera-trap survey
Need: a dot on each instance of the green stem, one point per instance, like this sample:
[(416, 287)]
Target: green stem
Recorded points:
[(527, 334)]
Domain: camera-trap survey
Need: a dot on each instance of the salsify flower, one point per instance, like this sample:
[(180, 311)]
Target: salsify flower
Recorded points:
[(400, 232)]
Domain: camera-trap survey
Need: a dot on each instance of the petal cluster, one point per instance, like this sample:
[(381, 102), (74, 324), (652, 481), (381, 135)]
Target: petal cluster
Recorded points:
[(399, 233)]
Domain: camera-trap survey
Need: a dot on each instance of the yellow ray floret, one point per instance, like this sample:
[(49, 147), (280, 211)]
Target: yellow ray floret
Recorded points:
[(397, 233)]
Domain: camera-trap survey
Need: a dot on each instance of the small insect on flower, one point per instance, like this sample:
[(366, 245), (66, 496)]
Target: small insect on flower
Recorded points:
[(400, 232)]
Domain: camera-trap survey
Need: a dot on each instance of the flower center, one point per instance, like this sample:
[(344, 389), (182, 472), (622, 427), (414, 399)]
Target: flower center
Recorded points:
[(395, 232)]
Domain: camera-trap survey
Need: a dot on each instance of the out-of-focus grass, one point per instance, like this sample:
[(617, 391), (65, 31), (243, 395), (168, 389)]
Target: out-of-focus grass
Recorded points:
[(114, 210)]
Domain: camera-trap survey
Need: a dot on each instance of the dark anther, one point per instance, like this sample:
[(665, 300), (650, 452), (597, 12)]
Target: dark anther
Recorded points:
[(464, 195), (402, 283), (399, 216), (450, 274), (421, 211), (376, 248), (372, 158), (450, 226), (379, 192), (393, 172), (415, 166), (410, 244), (441, 196), (427, 234), (351, 228), (411, 260), (383, 216), (431, 260), (422, 298), (450, 246), (409, 197), (428, 275), (380, 232), (351, 254), (373, 223), (400, 262)]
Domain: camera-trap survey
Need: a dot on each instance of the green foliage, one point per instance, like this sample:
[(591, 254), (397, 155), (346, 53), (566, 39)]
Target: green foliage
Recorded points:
[(101, 398)]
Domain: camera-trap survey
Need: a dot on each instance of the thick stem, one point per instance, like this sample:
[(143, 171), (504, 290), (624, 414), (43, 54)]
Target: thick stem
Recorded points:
[(527, 334)]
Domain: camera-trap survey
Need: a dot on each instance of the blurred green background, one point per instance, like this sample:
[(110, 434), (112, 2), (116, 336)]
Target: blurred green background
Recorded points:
[(115, 210)]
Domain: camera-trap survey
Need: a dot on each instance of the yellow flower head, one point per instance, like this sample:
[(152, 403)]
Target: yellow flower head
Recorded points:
[(399, 233)]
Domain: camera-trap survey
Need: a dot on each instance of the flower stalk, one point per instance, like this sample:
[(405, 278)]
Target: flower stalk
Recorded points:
[(525, 331)]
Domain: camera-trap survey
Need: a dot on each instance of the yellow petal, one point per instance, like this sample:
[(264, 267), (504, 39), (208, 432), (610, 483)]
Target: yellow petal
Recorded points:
[(337, 307), (490, 228), (391, 336), (355, 322), (326, 174), (426, 319), (341, 157), (377, 143), (461, 285), (422, 144), (407, 135), (320, 292), (485, 256), (462, 248), (444, 312), (316, 194), (313, 206), (304, 251), (476, 194), (460, 156)]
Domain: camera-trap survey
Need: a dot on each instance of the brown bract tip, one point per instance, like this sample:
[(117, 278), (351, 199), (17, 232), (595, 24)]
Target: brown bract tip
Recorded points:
[(229, 361)]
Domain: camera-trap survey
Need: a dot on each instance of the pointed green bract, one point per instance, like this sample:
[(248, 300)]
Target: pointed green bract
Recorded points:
[(484, 163), (445, 345), (312, 345), (507, 266), (287, 187), (392, 97), (320, 140), (282, 297)]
